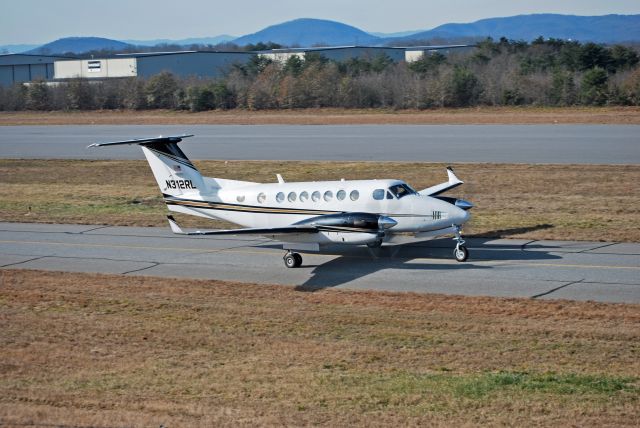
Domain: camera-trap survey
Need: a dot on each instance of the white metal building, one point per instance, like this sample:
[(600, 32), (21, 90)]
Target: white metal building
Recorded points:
[(183, 64)]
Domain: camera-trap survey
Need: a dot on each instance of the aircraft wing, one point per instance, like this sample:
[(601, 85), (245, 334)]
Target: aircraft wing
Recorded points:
[(442, 187), (175, 228)]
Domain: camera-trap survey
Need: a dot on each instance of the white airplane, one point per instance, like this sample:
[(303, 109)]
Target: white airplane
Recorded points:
[(304, 215)]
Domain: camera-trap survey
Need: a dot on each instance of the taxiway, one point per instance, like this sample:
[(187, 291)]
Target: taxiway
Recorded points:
[(599, 271)]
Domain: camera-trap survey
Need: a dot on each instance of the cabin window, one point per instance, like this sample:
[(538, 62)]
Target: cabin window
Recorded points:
[(240, 198), (341, 195), (328, 195), (291, 197), (304, 196), (315, 196), (378, 194), (354, 195), (280, 197), (401, 190), (261, 197)]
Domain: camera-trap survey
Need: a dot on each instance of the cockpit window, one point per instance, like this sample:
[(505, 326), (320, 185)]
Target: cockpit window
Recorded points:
[(401, 190)]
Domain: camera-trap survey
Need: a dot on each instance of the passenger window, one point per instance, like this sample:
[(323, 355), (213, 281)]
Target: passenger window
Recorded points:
[(354, 195), (240, 198), (341, 195), (261, 198), (304, 196), (291, 197), (328, 195), (378, 194), (280, 197), (315, 196)]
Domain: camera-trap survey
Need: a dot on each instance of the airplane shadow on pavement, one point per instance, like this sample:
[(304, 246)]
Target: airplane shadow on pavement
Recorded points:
[(353, 263)]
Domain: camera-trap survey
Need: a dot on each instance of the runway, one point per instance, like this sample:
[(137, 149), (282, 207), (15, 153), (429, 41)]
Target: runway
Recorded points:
[(563, 144), (604, 272)]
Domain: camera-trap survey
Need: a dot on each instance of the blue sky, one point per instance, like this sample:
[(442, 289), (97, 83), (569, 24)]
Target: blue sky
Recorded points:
[(40, 21)]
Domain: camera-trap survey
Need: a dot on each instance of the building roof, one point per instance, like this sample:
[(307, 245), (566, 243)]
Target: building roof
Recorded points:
[(22, 59)]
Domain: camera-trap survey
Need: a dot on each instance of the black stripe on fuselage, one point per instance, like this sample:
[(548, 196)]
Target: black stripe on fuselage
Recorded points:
[(242, 208)]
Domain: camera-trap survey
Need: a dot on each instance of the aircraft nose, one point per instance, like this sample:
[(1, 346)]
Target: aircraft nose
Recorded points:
[(385, 222)]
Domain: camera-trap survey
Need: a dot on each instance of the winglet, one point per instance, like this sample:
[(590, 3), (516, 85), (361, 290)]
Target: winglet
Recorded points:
[(174, 225), (452, 177), (280, 179), (452, 182)]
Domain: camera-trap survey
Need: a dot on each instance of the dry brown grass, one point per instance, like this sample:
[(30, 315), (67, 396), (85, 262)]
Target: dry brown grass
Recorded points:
[(579, 202), (480, 115), (104, 350)]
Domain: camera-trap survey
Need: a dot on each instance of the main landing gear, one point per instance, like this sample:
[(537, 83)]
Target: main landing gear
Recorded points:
[(292, 260), (460, 253)]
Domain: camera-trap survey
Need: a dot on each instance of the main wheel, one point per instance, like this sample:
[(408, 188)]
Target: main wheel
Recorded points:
[(461, 253), (298, 258), (375, 244), (290, 260)]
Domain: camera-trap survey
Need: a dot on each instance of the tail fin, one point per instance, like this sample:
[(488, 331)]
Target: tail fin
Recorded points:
[(174, 172)]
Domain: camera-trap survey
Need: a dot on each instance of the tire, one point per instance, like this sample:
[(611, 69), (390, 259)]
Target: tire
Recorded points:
[(461, 253), (290, 261), (298, 259), (375, 244)]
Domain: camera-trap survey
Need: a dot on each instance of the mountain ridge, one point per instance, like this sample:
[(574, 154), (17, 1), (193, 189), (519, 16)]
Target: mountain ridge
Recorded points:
[(308, 32), (602, 29)]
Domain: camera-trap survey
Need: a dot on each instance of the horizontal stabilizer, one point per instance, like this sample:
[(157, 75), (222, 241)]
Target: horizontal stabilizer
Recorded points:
[(143, 141)]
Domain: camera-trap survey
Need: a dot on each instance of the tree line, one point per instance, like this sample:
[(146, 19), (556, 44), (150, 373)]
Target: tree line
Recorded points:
[(496, 73)]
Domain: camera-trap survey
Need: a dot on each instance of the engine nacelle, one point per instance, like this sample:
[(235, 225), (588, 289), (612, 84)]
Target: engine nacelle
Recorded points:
[(351, 222)]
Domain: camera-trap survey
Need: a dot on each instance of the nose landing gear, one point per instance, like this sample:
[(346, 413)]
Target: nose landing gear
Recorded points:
[(292, 260), (460, 253)]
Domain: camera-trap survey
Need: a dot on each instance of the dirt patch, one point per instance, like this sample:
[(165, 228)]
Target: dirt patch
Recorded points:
[(575, 202), (481, 115), (105, 350)]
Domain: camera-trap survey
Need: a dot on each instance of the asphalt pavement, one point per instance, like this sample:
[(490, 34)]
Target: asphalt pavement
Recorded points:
[(599, 271), (563, 144)]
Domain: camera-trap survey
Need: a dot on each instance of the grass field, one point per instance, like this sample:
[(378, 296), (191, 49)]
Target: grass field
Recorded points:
[(102, 350), (479, 115), (575, 202)]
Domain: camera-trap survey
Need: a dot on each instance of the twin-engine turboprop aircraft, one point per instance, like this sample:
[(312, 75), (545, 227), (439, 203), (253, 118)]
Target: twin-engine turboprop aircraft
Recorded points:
[(304, 215)]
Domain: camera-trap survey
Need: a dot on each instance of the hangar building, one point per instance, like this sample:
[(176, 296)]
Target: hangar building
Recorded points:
[(342, 53), (199, 64), (182, 64), (17, 68)]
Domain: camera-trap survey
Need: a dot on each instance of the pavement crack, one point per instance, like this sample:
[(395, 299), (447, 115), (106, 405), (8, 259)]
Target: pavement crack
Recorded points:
[(154, 264), (522, 247), (24, 261), (597, 248), (88, 230), (553, 290)]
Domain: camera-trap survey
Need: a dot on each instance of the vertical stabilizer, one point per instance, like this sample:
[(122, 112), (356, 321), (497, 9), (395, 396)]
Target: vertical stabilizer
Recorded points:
[(173, 171)]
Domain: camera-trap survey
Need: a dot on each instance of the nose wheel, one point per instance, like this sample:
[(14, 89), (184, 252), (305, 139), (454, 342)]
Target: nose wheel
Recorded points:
[(292, 260), (460, 253)]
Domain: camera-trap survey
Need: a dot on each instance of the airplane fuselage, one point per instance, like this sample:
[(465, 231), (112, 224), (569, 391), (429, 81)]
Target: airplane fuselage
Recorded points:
[(282, 204)]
